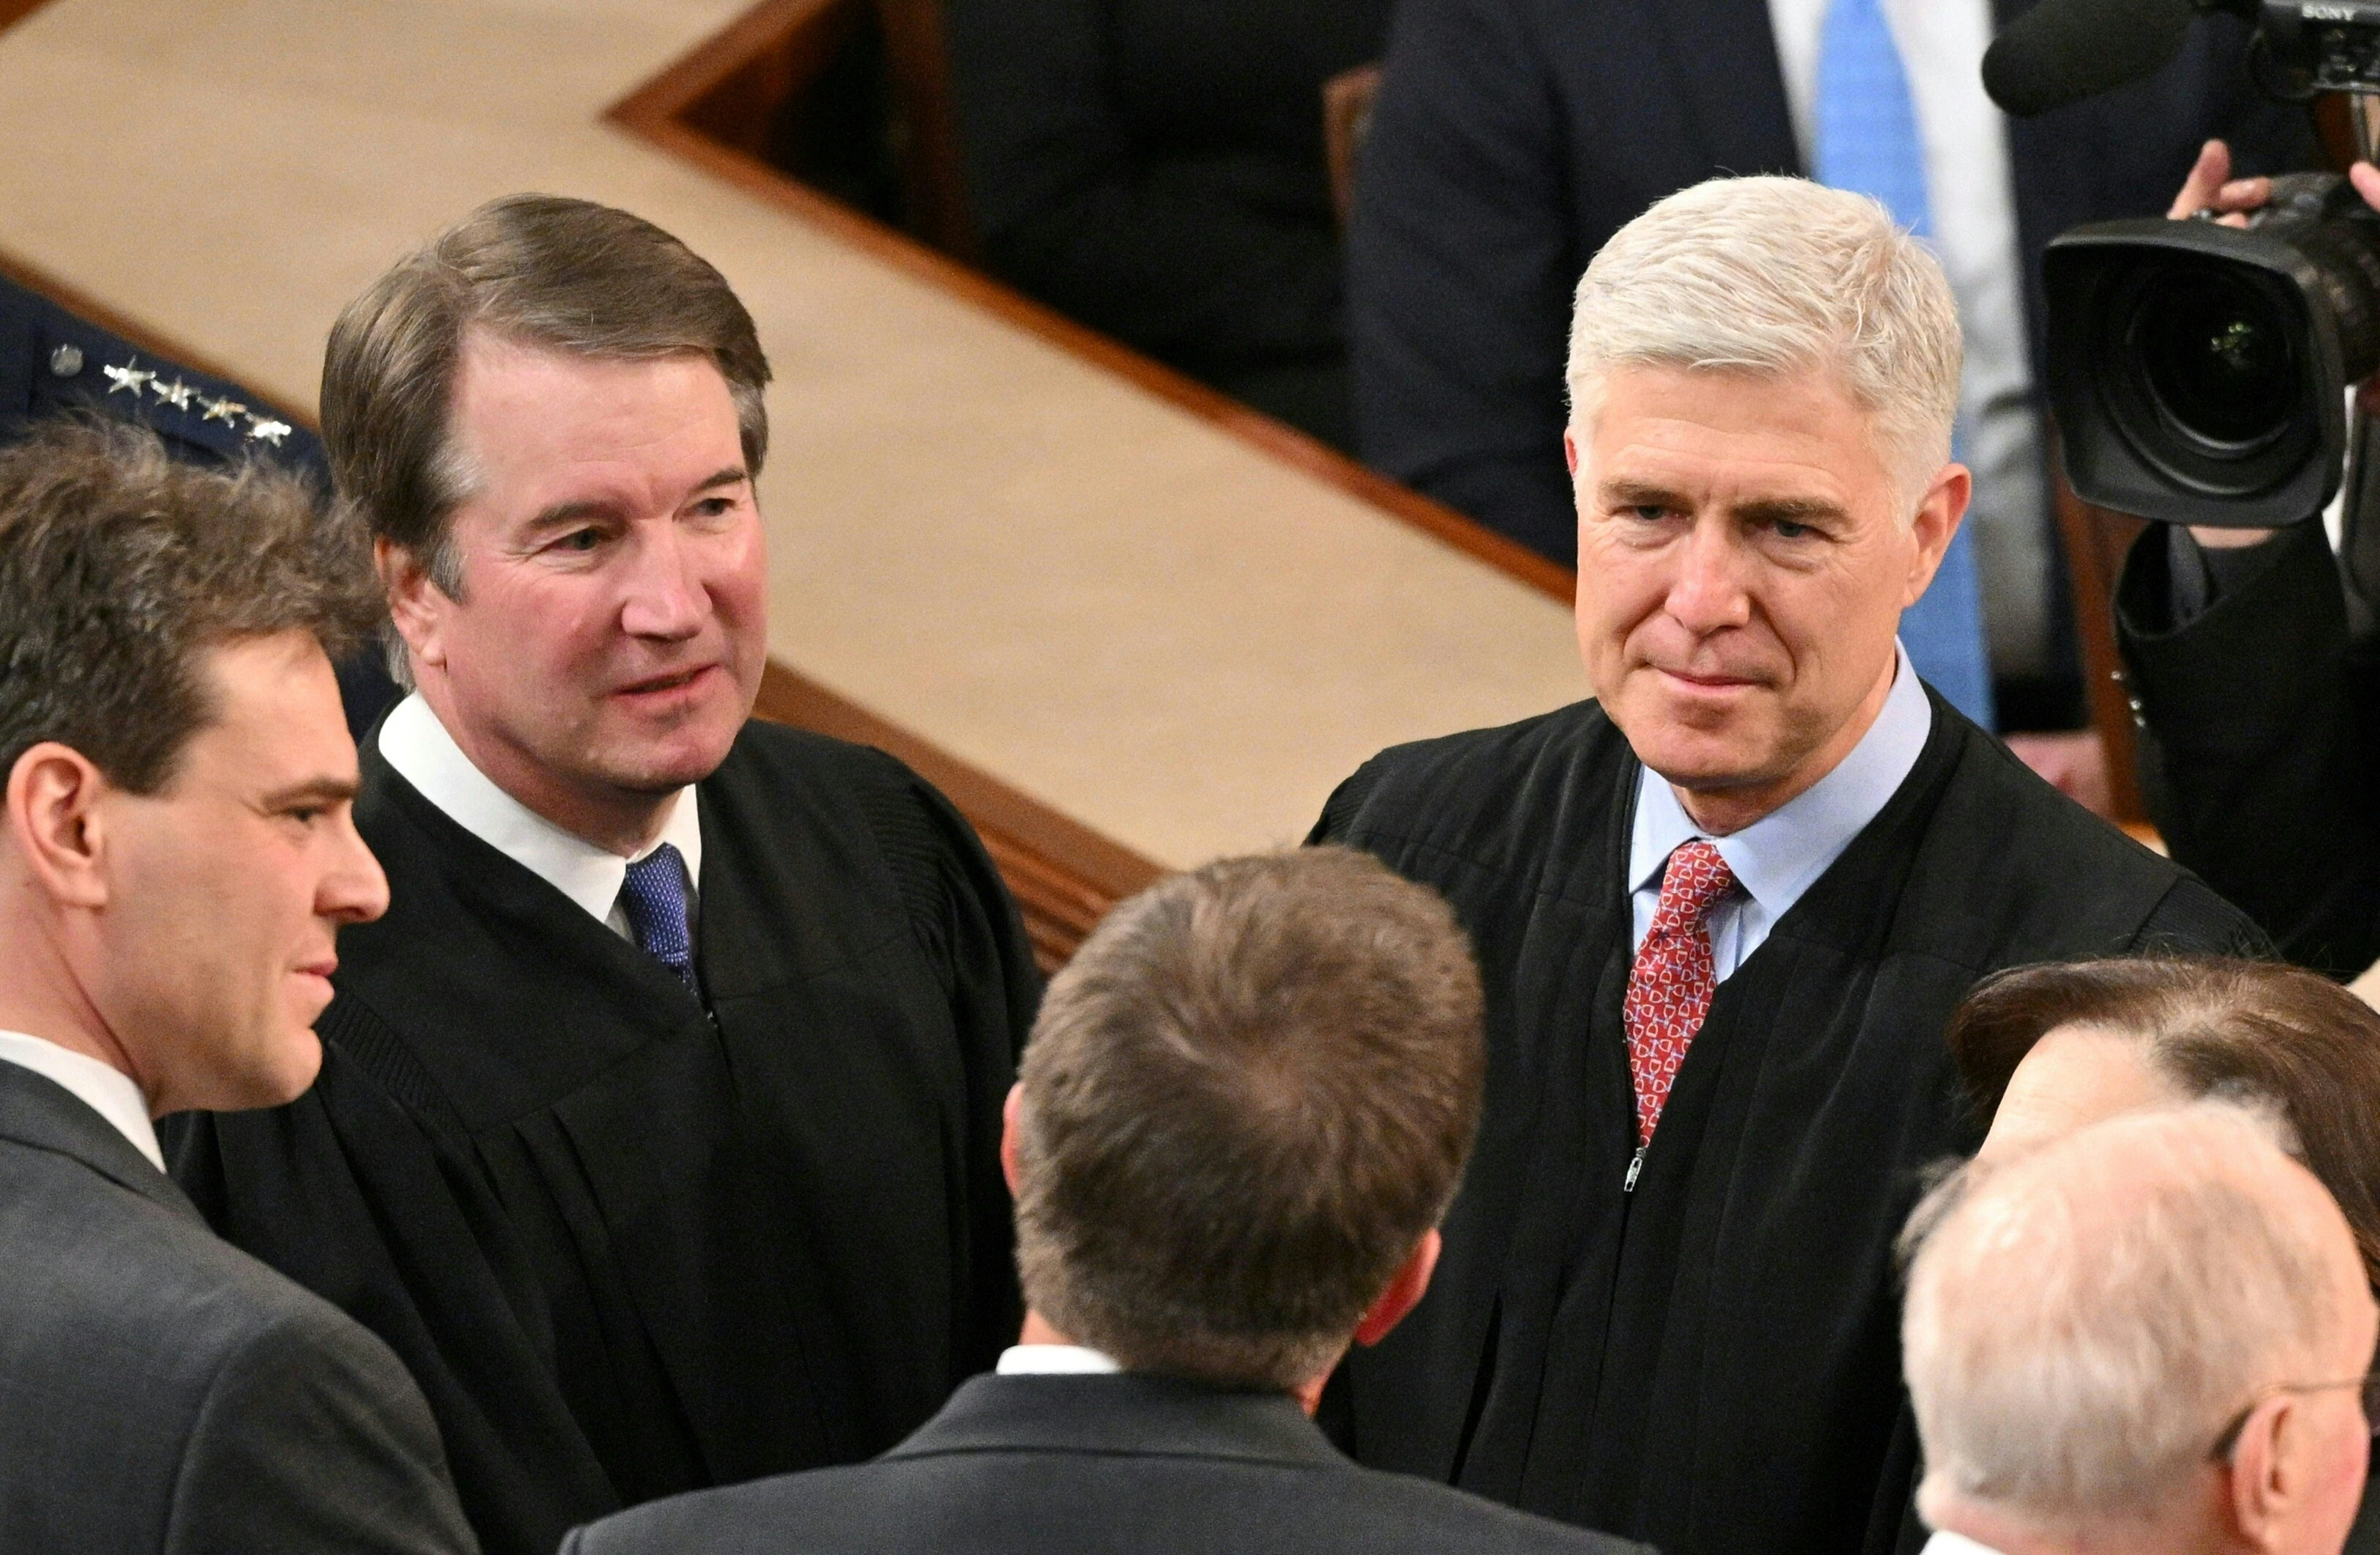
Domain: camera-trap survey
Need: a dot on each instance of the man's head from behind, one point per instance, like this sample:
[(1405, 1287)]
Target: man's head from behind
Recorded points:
[(1244, 1110), (1763, 374), (552, 419), (178, 851), (2149, 1335)]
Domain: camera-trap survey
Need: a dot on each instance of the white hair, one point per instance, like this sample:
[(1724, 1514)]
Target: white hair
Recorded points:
[(1774, 277), (2082, 1321)]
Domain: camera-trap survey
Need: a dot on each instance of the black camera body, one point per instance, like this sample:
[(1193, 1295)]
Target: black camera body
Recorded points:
[(2324, 45), (2199, 373)]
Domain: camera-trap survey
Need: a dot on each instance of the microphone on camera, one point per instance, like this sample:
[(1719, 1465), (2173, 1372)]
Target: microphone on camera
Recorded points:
[(2062, 51)]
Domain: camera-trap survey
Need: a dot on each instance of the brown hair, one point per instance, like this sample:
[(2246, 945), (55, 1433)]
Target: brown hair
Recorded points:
[(119, 567), (567, 275), (1246, 1099), (2214, 1025)]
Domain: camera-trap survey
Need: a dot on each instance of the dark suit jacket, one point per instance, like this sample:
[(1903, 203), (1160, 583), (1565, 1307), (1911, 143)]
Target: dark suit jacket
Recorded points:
[(1155, 168), (1512, 137), (2258, 740), (1091, 1466), (161, 1390)]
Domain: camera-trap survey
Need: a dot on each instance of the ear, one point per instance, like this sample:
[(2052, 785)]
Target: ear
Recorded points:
[(415, 604), (1009, 1112), (2269, 1468), (1569, 451), (55, 821), (1404, 1292), (1936, 524)]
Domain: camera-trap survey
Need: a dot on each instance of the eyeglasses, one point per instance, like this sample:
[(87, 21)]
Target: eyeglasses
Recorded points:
[(2368, 1385)]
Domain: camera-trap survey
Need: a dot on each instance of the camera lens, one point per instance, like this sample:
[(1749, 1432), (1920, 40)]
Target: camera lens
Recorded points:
[(2198, 371), (2218, 357)]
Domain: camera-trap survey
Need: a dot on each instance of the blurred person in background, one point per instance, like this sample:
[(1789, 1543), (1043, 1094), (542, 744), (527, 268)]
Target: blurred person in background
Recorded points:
[(1156, 170)]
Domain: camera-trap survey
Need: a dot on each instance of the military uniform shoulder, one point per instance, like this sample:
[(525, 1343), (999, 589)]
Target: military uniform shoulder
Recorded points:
[(53, 362)]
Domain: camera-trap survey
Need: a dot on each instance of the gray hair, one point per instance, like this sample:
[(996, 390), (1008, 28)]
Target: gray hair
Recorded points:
[(1773, 277), (2082, 1319), (1246, 1100)]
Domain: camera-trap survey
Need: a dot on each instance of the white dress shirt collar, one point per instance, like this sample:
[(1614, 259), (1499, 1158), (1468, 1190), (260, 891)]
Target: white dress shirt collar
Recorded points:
[(425, 755), (1945, 1542), (105, 1090), (1054, 1360), (1782, 854)]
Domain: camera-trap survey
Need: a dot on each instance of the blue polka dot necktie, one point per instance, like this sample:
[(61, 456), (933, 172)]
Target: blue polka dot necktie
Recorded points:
[(654, 898), (1867, 142)]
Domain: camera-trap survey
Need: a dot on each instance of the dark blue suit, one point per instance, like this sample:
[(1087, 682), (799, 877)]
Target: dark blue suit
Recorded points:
[(1511, 138), (53, 362)]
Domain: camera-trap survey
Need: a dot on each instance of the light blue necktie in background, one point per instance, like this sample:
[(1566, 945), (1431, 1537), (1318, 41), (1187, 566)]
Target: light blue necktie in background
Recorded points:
[(1867, 142), (654, 898)]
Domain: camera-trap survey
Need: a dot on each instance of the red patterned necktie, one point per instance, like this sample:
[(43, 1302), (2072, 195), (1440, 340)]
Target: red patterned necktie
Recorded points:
[(1669, 987)]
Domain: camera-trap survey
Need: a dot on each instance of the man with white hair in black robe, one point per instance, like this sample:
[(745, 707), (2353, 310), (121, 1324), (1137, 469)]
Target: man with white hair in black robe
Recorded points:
[(1725, 909)]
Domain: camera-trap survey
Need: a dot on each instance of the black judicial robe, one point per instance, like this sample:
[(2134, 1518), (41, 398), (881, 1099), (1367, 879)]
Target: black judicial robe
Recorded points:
[(1709, 1363), (629, 1249)]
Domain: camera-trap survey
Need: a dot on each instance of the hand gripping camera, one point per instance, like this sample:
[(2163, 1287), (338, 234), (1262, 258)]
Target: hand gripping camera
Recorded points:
[(2199, 373)]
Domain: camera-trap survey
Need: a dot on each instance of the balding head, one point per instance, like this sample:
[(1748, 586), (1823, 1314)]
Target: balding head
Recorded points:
[(2085, 1321)]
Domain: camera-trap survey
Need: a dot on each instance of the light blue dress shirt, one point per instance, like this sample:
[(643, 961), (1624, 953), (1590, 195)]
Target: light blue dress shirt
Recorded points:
[(1782, 854)]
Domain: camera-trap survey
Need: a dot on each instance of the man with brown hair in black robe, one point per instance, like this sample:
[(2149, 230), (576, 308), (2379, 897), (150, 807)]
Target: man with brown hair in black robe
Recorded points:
[(658, 1129), (1724, 911)]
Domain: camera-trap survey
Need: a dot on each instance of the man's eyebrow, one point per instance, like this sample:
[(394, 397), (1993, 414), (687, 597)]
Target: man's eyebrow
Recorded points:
[(313, 791), (1788, 510), (1621, 492), (563, 513)]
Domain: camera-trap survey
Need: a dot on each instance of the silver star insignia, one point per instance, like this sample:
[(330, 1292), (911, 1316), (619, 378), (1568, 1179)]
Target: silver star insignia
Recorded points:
[(263, 431), (218, 409), (127, 377), (177, 394)]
